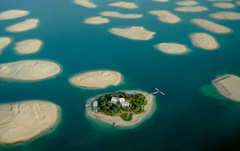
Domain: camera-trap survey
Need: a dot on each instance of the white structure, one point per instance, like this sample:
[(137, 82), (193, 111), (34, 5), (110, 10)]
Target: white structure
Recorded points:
[(125, 104), (114, 100), (121, 101)]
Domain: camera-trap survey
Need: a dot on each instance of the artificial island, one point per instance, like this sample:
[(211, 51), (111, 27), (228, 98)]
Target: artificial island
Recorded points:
[(122, 108)]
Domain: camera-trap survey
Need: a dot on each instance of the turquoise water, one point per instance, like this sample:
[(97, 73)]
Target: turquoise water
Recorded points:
[(186, 119)]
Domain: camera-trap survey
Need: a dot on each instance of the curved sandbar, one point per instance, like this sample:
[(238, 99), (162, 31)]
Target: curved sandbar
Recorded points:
[(22, 121), (28, 46), (120, 15), (211, 26), (28, 24), (127, 5), (226, 16), (161, 0), (133, 32), (117, 120), (96, 20), (12, 14), (29, 70), (165, 16), (224, 5), (204, 41), (96, 79), (4, 41), (186, 3), (85, 3), (228, 86), (172, 48), (191, 9)]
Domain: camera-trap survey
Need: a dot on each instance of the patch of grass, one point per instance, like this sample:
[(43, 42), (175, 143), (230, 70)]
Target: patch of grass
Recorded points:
[(125, 117)]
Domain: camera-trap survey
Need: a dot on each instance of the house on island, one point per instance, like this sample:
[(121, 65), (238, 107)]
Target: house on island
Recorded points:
[(121, 101), (95, 106)]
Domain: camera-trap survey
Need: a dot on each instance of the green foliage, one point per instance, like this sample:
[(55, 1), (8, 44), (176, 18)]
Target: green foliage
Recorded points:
[(125, 117)]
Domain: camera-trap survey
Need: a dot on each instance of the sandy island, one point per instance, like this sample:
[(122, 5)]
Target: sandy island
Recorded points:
[(186, 3), (117, 120), (85, 3), (224, 5), (12, 14), (219, 0), (96, 20), (29, 70), (127, 5), (96, 79), (22, 121), (120, 15), (228, 86), (238, 2), (172, 48), (161, 0), (165, 16), (133, 32), (226, 16), (4, 41), (204, 41), (28, 46), (191, 9), (28, 24), (211, 26)]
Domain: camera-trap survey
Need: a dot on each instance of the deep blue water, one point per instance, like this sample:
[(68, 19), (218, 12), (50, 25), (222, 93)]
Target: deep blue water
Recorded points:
[(186, 119)]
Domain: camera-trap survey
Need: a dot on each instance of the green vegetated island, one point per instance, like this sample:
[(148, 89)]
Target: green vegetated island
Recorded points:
[(122, 108)]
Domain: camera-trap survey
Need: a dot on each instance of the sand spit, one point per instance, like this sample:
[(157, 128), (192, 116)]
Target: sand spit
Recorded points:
[(204, 41), (28, 46), (29, 70), (116, 120), (228, 86), (85, 3), (28, 24), (211, 26), (191, 9), (22, 121), (96, 20), (120, 15), (96, 79), (133, 32), (165, 16), (126, 5), (224, 5), (12, 14), (4, 41), (161, 0), (172, 48), (186, 3), (226, 16)]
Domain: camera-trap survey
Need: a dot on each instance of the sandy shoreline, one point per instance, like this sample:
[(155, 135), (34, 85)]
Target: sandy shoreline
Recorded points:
[(136, 118)]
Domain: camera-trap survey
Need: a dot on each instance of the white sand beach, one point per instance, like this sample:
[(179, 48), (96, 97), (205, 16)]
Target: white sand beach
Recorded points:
[(28, 46), (85, 3), (228, 86), (186, 3), (133, 32), (22, 121), (192, 9), (28, 24), (126, 5), (161, 0), (204, 41), (4, 42), (29, 70), (120, 15), (172, 48), (96, 79), (225, 16), (224, 5), (13, 14), (211, 26), (96, 20), (165, 16), (116, 120)]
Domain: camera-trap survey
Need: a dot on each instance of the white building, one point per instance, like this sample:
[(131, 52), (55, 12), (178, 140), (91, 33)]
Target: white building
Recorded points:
[(125, 104), (114, 100), (121, 101)]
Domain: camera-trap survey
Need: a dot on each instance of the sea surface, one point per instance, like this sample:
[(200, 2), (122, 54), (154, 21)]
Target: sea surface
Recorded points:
[(192, 116)]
